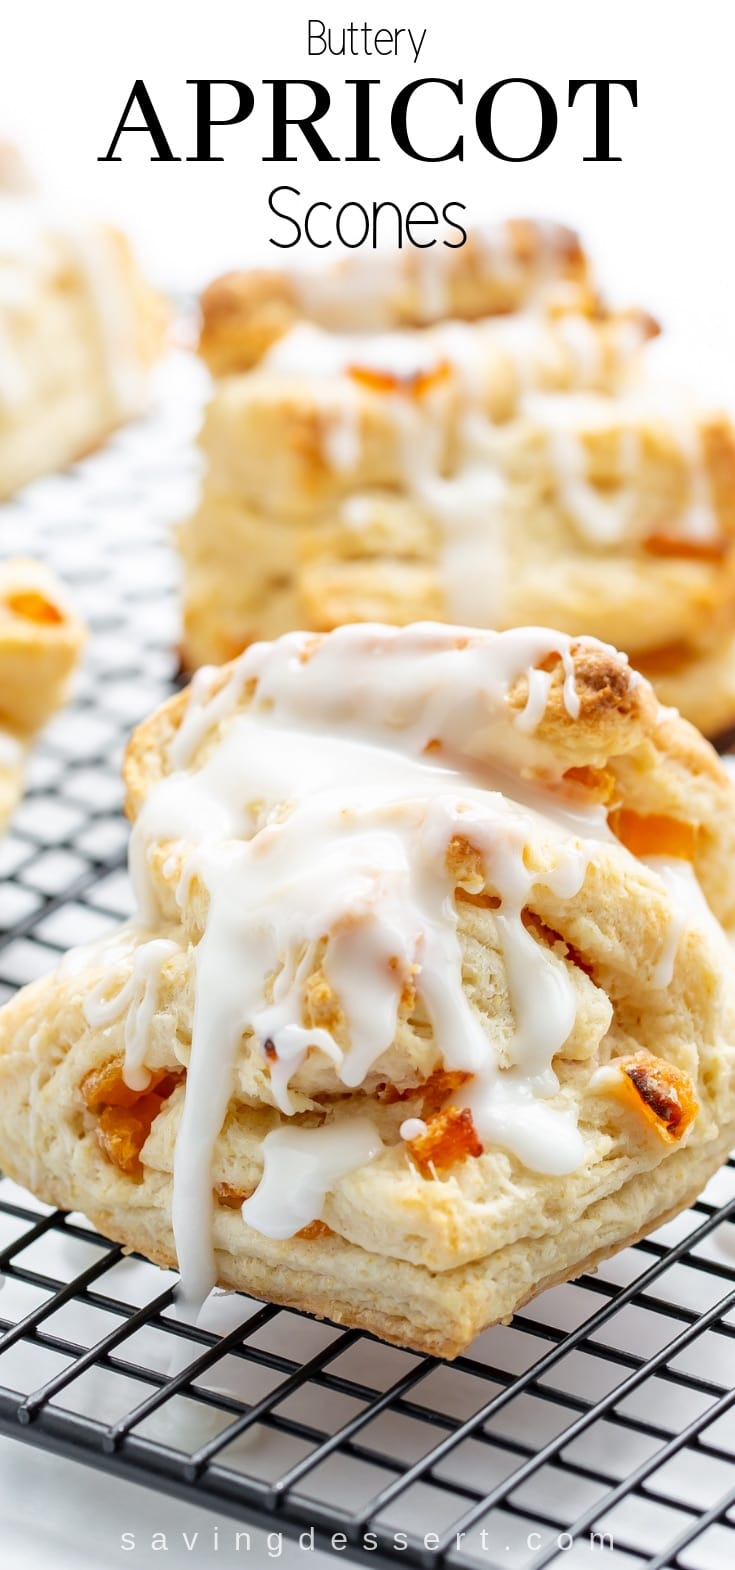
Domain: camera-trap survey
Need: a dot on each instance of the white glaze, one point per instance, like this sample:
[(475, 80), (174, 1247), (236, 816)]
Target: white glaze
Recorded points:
[(301, 1166), (412, 1128), (539, 687), (325, 809), (358, 851), (138, 1000)]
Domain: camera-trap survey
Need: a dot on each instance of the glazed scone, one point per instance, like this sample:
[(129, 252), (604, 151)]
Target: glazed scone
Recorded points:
[(40, 642), (430, 1001), (500, 269), (342, 496), (79, 331), (501, 457)]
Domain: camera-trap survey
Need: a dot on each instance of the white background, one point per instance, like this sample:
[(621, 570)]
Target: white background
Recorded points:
[(661, 221), (660, 224)]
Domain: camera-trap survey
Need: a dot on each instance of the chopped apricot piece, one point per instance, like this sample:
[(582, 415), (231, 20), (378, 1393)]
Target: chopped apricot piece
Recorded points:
[(438, 1088), (450, 1137), (314, 1230), (686, 550), (653, 834), (416, 383), (231, 1197), (105, 1086), (434, 1092), (663, 1095), (600, 783), (122, 1132), (34, 607)]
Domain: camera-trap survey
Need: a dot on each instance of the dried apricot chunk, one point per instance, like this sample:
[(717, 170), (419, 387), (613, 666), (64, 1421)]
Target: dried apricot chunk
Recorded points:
[(663, 1095), (32, 606), (653, 834), (122, 1132), (662, 544), (450, 1137), (415, 383), (125, 1116)]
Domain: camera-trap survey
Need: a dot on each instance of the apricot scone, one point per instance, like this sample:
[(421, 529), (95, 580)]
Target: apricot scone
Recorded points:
[(503, 268), (40, 642), (396, 464), (79, 331), (429, 1002)]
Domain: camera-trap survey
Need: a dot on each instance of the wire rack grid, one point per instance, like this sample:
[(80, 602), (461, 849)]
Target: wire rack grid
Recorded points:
[(597, 1427)]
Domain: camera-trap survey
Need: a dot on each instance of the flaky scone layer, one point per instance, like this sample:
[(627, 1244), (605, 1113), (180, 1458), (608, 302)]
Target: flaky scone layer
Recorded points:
[(538, 1236)]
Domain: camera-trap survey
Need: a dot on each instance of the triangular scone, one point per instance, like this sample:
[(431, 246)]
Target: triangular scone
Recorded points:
[(40, 642), (79, 331), (430, 1002)]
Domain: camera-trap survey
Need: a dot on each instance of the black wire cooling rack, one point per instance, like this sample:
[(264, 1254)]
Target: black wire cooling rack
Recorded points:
[(598, 1426)]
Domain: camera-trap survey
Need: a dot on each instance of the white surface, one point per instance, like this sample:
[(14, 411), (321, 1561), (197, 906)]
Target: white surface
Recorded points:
[(72, 1518), (661, 218)]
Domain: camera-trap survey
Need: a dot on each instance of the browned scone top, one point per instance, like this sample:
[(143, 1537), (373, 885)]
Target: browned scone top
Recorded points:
[(496, 271)]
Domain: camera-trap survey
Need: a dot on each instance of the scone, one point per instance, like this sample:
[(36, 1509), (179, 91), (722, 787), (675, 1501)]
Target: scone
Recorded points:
[(503, 268), (40, 642), (79, 330), (430, 1000), (515, 469)]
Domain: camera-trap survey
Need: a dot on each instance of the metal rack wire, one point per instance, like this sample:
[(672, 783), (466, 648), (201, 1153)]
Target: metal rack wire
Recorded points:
[(598, 1426)]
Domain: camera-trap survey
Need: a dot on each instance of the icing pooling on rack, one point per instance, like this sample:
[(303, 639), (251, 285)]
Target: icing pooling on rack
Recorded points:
[(327, 807)]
